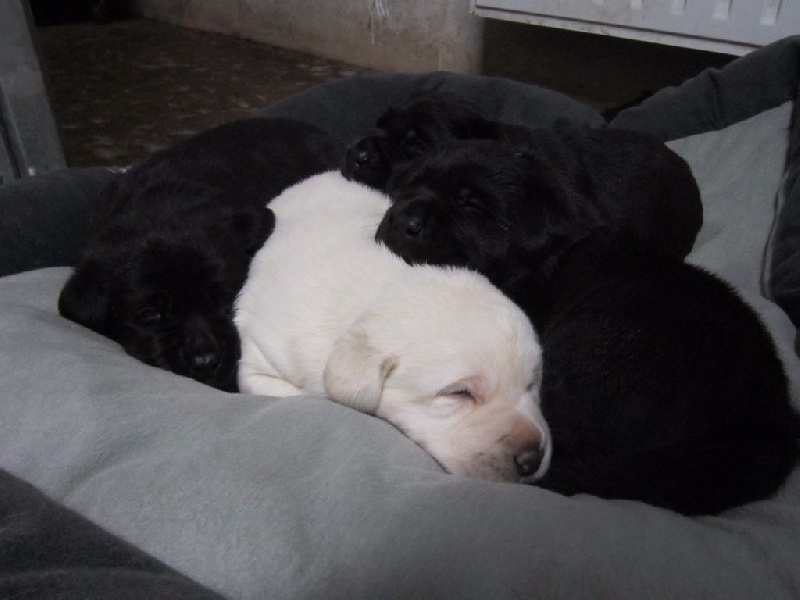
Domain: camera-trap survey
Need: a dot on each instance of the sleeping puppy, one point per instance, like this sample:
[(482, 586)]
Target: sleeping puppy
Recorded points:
[(661, 385), (172, 243), (420, 124), (439, 353), (511, 213)]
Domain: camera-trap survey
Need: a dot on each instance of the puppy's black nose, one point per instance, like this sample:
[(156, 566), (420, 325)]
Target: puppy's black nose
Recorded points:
[(527, 461), (414, 225), (205, 361), (367, 162), (413, 220), (361, 158)]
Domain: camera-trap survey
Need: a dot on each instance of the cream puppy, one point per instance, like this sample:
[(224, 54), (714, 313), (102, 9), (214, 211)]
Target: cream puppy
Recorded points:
[(439, 353)]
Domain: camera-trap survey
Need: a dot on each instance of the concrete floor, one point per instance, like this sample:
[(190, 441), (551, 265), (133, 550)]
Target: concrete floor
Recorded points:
[(122, 90)]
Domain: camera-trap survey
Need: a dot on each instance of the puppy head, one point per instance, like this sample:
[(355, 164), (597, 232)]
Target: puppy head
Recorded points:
[(453, 364), (166, 296), (479, 204), (412, 128), (371, 160)]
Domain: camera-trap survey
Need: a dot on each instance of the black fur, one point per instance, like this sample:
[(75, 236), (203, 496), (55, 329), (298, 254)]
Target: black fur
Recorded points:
[(172, 243), (661, 385), (420, 124), (511, 212)]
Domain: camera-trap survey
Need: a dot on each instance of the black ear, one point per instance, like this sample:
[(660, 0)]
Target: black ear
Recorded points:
[(108, 203), (544, 182), (253, 227), (389, 115), (85, 298), (553, 212)]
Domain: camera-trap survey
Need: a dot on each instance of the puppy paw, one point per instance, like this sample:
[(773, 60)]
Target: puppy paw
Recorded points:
[(267, 385)]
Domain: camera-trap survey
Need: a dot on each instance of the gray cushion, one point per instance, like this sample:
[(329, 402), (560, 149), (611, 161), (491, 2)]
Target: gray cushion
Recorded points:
[(784, 256), (739, 170), (349, 107), (45, 218), (302, 498)]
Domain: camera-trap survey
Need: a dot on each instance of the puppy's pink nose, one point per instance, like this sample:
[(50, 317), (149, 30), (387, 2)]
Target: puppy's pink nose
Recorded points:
[(526, 439), (527, 461)]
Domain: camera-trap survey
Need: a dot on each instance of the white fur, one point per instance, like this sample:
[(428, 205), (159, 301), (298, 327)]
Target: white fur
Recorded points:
[(440, 353)]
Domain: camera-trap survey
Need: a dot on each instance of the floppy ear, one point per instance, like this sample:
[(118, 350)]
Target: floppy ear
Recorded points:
[(356, 372), (86, 296), (553, 190), (386, 117), (253, 227)]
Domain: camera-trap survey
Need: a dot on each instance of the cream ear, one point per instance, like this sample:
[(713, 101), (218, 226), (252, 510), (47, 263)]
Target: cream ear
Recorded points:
[(356, 371)]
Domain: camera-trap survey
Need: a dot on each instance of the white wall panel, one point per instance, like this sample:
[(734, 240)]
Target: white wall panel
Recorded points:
[(729, 26)]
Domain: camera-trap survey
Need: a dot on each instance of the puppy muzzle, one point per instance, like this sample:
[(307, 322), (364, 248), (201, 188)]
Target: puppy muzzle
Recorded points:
[(416, 231), (368, 162), (531, 450)]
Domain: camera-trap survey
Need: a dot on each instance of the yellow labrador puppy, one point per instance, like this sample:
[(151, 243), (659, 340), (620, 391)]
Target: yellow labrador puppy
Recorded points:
[(438, 352)]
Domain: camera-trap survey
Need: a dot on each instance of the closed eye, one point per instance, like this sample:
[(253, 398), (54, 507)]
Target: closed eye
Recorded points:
[(447, 404), (413, 142), (460, 392), (469, 201), (147, 316)]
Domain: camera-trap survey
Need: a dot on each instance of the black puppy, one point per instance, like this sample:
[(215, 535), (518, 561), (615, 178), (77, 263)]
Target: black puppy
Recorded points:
[(420, 124), (172, 243), (661, 385), (511, 212)]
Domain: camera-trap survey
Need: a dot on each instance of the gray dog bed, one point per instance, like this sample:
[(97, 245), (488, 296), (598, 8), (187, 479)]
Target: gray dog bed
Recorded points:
[(300, 498)]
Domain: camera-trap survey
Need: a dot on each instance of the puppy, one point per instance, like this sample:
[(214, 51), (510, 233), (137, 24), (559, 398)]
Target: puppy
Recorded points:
[(439, 353), (171, 245), (661, 385), (511, 213), (420, 124)]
